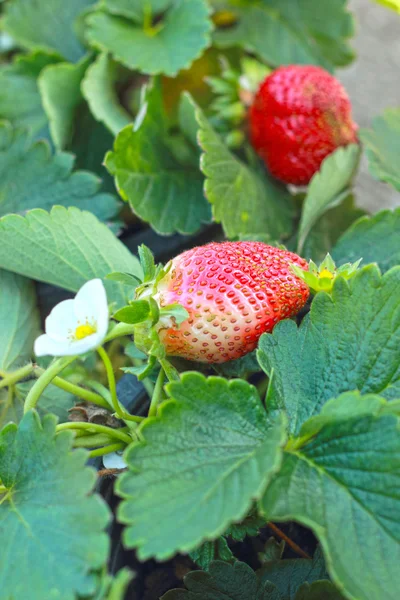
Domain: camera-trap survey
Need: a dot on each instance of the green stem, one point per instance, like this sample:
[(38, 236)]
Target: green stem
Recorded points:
[(12, 378), (76, 390), (119, 331), (44, 380), (96, 428), (157, 394), (92, 441), (120, 412), (106, 450)]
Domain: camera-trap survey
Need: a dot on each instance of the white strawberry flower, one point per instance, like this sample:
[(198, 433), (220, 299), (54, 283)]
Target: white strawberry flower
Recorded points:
[(114, 460), (76, 326)]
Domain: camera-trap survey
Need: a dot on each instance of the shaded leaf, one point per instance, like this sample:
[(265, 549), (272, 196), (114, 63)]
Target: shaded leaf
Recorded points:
[(188, 480), (224, 582), (40, 502), (382, 144), (374, 239), (171, 45), (48, 25), (328, 188), (209, 551), (59, 86), (65, 248), (20, 101), (98, 89), (287, 32), (349, 341), (32, 177), (161, 191)]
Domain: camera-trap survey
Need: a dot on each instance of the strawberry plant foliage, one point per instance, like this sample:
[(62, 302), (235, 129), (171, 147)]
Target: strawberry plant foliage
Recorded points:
[(286, 32), (65, 248), (190, 478), (48, 25), (341, 473), (382, 144), (160, 189), (31, 176), (39, 512), (166, 47), (349, 341), (374, 238)]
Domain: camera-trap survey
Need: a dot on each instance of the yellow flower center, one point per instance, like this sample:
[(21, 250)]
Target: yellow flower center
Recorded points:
[(327, 274), (83, 331)]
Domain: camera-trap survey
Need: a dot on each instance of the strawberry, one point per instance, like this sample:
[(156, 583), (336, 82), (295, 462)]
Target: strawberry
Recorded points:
[(232, 291), (300, 114)]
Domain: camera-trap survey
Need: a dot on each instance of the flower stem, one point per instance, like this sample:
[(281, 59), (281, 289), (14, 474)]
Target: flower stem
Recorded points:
[(44, 380), (96, 428), (12, 378), (97, 440), (106, 450), (119, 411), (76, 390), (287, 539), (157, 394), (119, 330)]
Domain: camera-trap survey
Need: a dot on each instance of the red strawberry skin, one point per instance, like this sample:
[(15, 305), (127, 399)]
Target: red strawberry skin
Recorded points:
[(300, 114), (233, 292)]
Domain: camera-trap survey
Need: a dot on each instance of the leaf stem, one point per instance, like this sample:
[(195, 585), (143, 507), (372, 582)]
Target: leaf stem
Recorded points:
[(106, 450), (15, 376), (44, 380), (76, 390), (157, 394), (95, 428), (287, 539), (120, 412)]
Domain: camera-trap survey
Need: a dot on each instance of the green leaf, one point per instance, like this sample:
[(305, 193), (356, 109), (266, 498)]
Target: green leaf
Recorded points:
[(137, 312), (382, 144), (245, 202), (59, 86), (19, 320), (349, 341), (289, 575), (287, 32), (160, 190), (224, 582), (328, 188), (241, 367), (48, 25), (167, 47), (210, 551), (146, 258), (65, 248), (189, 479), (137, 9), (319, 590), (249, 526), (32, 177), (328, 229), (20, 101), (47, 516), (53, 400), (344, 484), (374, 239), (125, 278), (99, 91)]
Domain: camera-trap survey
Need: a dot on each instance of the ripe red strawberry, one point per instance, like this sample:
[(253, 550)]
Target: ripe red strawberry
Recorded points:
[(233, 292), (300, 115)]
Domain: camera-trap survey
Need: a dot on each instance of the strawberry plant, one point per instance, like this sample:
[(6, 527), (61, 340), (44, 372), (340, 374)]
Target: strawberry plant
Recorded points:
[(199, 325)]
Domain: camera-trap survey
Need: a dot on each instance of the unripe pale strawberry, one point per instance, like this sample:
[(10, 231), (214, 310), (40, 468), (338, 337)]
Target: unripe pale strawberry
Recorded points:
[(300, 114), (233, 292)]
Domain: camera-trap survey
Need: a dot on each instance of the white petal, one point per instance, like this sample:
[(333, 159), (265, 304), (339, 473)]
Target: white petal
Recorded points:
[(90, 303), (47, 346), (114, 461), (62, 321)]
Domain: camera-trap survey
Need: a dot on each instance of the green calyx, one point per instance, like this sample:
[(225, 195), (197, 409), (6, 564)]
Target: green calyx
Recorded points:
[(321, 278), (145, 313), (234, 93)]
